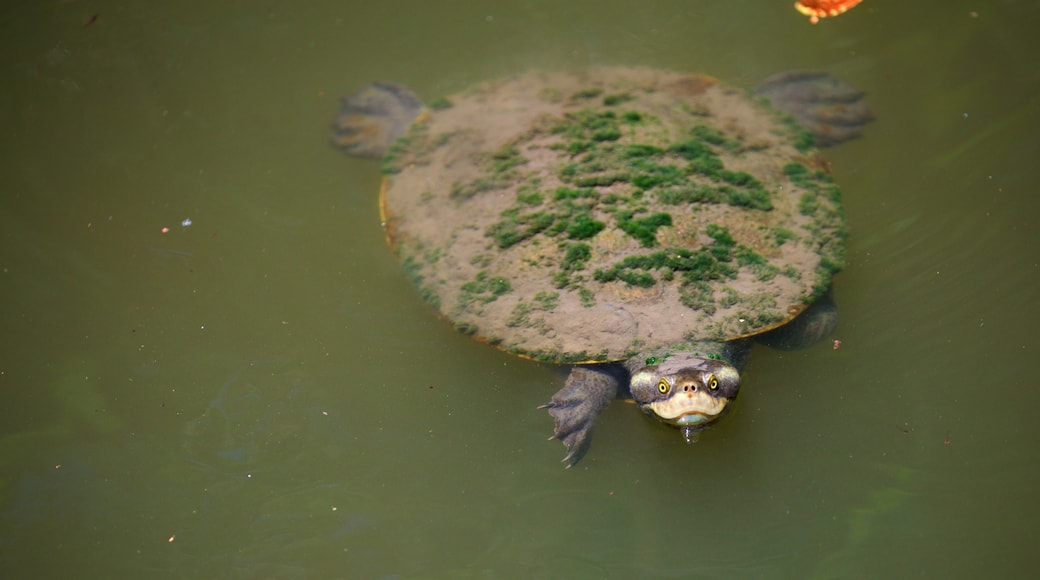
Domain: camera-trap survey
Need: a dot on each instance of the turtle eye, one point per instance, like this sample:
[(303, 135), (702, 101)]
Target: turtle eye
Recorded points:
[(663, 386), (713, 383)]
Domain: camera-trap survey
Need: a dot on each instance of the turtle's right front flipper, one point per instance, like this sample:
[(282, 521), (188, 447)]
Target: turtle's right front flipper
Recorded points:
[(816, 323), (371, 120), (576, 407)]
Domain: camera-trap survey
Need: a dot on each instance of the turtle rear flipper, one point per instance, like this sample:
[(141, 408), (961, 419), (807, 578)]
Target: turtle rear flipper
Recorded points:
[(831, 109), (373, 118)]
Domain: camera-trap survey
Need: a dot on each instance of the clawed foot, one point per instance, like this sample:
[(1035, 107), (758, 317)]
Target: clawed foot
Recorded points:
[(575, 407), (828, 107), (373, 118)]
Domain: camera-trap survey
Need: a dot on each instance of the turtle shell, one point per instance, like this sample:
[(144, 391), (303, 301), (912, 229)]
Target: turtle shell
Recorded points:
[(587, 217)]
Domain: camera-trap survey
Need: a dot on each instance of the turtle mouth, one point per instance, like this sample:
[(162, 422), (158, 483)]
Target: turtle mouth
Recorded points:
[(693, 418), (688, 409)]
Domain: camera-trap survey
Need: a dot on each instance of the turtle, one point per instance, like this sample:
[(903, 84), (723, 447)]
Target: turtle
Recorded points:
[(638, 227)]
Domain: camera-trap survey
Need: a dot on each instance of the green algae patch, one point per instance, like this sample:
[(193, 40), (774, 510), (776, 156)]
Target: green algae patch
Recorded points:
[(820, 201), (693, 266), (506, 158), (392, 161), (516, 227), (614, 100), (576, 256), (413, 268), (643, 229), (561, 357), (590, 124), (583, 227), (716, 137), (586, 94), (483, 288), (498, 172), (441, 103), (531, 314)]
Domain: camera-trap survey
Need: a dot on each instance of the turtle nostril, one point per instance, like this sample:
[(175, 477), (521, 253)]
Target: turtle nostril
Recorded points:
[(688, 387)]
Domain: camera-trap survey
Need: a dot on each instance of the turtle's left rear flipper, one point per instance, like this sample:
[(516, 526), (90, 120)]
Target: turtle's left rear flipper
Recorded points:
[(371, 120)]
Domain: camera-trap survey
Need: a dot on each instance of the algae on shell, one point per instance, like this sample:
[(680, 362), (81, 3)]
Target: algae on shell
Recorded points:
[(580, 217)]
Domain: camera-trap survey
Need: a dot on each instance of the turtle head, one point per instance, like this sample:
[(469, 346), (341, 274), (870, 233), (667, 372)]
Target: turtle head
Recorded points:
[(685, 389)]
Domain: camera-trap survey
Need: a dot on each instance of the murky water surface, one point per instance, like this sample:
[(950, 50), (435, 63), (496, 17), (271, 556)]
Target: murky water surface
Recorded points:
[(262, 393)]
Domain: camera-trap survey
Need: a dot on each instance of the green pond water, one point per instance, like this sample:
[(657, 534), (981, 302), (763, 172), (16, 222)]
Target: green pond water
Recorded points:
[(263, 394)]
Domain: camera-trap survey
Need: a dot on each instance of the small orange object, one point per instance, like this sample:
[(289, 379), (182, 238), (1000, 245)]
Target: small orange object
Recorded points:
[(817, 9)]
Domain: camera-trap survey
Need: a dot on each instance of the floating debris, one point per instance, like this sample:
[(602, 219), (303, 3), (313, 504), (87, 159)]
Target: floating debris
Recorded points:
[(817, 9)]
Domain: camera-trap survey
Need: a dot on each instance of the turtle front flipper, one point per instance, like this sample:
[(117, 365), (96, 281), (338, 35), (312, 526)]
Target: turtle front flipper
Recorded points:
[(370, 120), (831, 109), (810, 327), (576, 407)]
